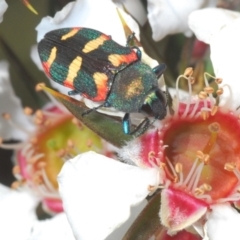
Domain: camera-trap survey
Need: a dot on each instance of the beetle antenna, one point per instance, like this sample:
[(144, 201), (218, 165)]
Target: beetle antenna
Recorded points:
[(92, 109)]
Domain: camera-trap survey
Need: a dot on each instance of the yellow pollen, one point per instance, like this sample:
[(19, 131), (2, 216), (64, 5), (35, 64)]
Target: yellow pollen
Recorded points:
[(214, 110), (28, 111), (219, 91), (218, 80), (202, 95), (208, 90), (178, 167), (229, 166)]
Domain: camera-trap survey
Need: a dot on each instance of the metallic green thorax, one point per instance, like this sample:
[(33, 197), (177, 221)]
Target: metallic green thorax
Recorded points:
[(133, 87)]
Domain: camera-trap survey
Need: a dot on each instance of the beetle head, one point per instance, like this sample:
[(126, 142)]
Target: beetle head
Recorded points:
[(155, 104)]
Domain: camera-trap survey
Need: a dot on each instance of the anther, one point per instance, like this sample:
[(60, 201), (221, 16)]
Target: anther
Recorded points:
[(204, 115), (40, 86), (206, 187), (16, 170), (16, 184), (218, 80), (229, 166), (89, 143), (28, 111), (188, 72), (214, 110), (70, 143), (219, 91), (178, 168), (202, 95), (208, 90), (200, 154), (198, 191), (41, 164), (39, 114), (76, 122), (206, 159)]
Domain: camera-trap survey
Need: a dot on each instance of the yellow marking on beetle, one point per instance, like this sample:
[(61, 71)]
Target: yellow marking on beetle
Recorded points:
[(117, 59), (70, 34), (150, 98), (135, 88), (73, 69), (95, 43), (52, 56), (101, 81)]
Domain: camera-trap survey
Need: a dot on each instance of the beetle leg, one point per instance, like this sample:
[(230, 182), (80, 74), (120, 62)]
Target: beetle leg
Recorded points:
[(73, 92), (140, 129), (138, 52), (126, 123), (158, 70), (130, 39), (105, 104)]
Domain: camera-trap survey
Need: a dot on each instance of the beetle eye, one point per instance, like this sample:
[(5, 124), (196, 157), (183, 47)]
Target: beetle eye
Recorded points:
[(155, 105), (146, 108)]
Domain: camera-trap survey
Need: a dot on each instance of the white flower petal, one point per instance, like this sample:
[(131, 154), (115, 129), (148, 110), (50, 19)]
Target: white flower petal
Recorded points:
[(170, 17), (10, 103), (223, 223), (91, 14), (136, 9), (224, 38), (204, 23), (17, 213), (98, 192), (3, 8), (54, 228)]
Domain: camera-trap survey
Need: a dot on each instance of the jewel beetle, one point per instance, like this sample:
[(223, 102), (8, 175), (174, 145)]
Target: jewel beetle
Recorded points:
[(93, 65)]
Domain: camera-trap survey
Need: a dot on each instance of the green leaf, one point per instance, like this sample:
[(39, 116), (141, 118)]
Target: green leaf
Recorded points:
[(147, 223), (107, 127)]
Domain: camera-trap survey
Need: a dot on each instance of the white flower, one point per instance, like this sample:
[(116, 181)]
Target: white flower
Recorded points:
[(54, 228), (17, 213), (3, 8), (106, 191), (221, 32), (11, 104), (223, 223), (170, 16), (220, 28)]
